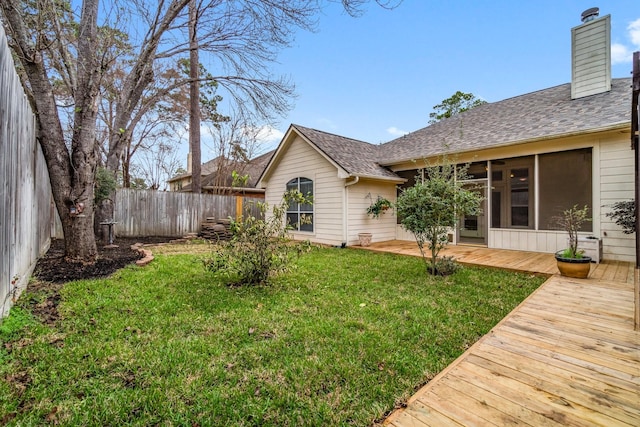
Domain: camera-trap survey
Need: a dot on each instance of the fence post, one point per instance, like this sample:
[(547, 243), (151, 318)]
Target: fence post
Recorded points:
[(238, 208)]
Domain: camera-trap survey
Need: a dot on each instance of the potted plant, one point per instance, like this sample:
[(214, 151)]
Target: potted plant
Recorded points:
[(571, 261), (380, 206), (375, 209)]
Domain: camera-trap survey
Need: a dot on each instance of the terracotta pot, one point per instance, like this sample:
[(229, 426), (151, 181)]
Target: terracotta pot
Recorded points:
[(577, 268), (365, 239)]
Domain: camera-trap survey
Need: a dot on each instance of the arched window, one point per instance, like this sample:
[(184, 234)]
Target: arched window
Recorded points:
[(300, 216)]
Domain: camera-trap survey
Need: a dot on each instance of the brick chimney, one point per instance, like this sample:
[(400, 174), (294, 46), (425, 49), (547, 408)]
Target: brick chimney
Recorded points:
[(591, 55)]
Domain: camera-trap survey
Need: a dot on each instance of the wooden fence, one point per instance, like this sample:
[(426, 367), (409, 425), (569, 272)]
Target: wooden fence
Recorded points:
[(168, 213), (25, 192)]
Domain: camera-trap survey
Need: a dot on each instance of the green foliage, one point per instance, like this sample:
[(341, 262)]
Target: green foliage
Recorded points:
[(380, 206), (209, 99), (456, 104), (105, 185), (624, 214), (571, 221), (239, 180), (259, 248), (138, 183), (431, 208)]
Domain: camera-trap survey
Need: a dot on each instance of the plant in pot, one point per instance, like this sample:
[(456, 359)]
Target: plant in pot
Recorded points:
[(571, 261), (380, 206), (375, 209)]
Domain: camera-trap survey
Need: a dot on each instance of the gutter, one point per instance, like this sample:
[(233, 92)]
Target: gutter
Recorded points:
[(345, 210)]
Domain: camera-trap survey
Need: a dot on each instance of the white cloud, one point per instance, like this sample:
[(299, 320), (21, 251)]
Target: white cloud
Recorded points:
[(268, 134), (634, 32), (396, 132), (621, 53)]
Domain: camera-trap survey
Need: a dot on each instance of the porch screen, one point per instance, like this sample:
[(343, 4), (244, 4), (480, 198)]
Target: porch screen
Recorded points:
[(565, 180)]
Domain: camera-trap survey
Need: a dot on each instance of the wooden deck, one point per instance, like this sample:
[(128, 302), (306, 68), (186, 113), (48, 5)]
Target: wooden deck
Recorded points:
[(567, 356), (533, 262)]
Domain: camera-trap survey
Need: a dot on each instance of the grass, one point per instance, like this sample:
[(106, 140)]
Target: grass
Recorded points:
[(341, 340)]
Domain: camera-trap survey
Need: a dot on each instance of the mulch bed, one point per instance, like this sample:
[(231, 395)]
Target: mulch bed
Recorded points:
[(52, 271), (53, 268)]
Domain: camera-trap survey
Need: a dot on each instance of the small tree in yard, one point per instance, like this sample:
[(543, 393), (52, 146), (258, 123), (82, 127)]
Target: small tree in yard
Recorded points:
[(432, 206), (259, 247)]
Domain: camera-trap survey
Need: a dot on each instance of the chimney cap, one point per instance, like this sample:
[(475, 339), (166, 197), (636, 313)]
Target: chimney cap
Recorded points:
[(590, 14)]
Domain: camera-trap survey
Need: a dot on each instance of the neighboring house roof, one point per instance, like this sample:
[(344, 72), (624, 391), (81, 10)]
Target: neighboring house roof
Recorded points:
[(253, 168), (256, 166), (206, 169), (545, 114)]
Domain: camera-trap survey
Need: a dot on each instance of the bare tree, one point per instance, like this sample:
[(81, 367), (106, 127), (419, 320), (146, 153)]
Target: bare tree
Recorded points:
[(54, 46), (155, 164), (234, 144)]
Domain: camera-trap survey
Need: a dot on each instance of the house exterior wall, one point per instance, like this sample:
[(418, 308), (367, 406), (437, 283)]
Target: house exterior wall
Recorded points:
[(299, 159), (612, 181), (360, 197), (616, 184)]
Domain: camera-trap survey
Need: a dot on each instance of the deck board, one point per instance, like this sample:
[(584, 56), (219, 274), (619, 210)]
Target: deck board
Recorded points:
[(567, 356)]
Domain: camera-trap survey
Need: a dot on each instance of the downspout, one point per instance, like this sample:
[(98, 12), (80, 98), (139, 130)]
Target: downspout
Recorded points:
[(345, 210)]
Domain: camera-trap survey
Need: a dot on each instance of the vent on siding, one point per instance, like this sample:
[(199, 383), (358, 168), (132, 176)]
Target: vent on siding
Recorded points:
[(591, 55)]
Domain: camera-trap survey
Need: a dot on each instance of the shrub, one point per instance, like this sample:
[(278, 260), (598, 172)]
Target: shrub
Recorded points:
[(624, 214), (259, 248)]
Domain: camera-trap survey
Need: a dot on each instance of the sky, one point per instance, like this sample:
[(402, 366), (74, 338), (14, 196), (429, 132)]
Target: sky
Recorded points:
[(377, 77)]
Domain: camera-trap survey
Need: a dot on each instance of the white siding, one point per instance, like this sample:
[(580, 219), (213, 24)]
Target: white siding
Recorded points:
[(616, 184), (360, 197), (299, 159)]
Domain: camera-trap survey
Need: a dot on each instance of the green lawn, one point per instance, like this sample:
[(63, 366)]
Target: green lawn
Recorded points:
[(338, 341)]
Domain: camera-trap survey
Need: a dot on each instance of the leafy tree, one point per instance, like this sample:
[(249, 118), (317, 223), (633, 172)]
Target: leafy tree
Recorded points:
[(259, 248), (62, 57), (456, 104), (431, 208), (105, 185)]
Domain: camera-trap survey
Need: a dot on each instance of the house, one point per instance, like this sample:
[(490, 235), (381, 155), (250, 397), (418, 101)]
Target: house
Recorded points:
[(217, 178), (178, 182), (531, 156)]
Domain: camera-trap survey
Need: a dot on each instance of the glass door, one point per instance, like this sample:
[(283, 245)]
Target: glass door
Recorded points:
[(472, 229)]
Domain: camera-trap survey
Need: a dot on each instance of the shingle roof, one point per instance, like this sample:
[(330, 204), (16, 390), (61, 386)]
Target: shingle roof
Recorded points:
[(548, 113), (253, 168), (205, 169), (358, 158)]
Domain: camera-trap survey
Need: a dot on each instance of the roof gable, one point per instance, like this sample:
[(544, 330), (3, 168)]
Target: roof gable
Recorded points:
[(349, 156)]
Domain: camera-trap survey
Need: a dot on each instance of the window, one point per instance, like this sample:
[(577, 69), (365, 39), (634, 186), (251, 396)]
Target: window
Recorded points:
[(300, 216)]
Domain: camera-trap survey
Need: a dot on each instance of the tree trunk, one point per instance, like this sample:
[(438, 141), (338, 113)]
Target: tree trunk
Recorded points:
[(194, 101), (71, 176)]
